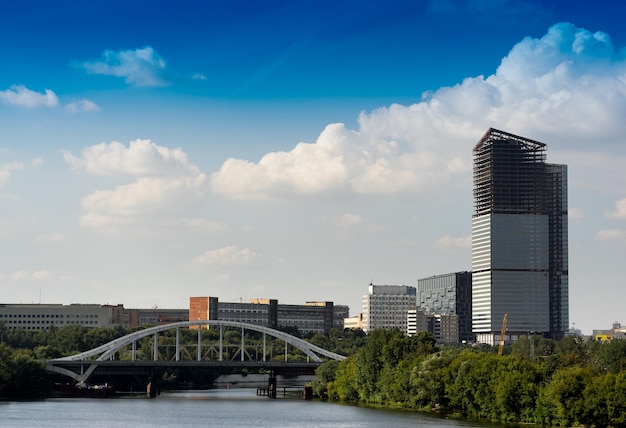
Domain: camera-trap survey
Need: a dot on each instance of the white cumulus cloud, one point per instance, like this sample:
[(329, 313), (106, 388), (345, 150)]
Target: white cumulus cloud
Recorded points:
[(448, 243), (344, 220), (24, 275), (138, 67), (164, 185), (19, 95), (231, 256), (612, 235), (7, 169), (81, 106), (567, 86), (620, 210)]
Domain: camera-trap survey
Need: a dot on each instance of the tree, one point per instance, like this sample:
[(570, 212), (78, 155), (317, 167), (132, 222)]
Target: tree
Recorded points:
[(561, 401), (21, 375), (369, 363), (325, 375), (344, 387)]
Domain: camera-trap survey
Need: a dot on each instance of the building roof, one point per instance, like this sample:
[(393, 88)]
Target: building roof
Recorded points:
[(495, 135)]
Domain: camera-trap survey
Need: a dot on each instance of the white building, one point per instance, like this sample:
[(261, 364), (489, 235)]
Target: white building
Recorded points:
[(416, 321), (387, 306), (44, 316)]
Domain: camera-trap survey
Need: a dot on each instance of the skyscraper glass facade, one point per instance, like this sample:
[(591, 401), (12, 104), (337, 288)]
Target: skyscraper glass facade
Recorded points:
[(519, 239), (448, 294)]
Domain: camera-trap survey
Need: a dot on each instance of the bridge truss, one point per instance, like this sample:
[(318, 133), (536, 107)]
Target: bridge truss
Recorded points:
[(105, 353)]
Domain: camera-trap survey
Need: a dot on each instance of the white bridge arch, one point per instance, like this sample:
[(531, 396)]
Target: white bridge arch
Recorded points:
[(107, 351)]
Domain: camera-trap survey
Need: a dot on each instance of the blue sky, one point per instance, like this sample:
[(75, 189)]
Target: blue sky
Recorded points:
[(298, 150)]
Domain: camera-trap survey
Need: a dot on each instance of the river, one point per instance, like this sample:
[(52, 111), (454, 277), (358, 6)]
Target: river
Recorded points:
[(230, 408)]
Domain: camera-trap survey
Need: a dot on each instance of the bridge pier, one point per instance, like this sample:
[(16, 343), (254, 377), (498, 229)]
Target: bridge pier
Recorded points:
[(151, 389), (271, 388)]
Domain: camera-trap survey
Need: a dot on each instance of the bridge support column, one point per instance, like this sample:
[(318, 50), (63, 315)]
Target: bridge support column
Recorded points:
[(151, 388), (177, 344), (199, 342), (221, 342), (271, 388), (264, 350), (156, 346)]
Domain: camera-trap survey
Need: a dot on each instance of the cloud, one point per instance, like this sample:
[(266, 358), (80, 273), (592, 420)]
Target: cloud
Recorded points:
[(199, 76), (620, 211), (7, 169), (42, 275), (575, 214), (568, 86), (19, 95), (612, 235), (139, 67), (448, 243), (164, 186), (350, 226), (83, 105), (344, 220), (24, 275), (231, 256), (139, 158)]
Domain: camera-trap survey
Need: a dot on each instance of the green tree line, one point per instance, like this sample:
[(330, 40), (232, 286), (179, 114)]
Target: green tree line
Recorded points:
[(23, 352), (555, 383)]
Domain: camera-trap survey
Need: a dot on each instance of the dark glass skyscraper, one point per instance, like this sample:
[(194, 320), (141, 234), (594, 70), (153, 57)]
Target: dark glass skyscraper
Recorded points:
[(519, 239)]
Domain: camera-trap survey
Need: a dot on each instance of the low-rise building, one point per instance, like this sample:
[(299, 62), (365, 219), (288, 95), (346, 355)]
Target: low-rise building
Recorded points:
[(313, 317), (131, 317), (617, 332), (44, 316), (353, 322)]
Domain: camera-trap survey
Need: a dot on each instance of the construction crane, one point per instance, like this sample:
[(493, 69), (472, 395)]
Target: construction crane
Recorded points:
[(505, 319)]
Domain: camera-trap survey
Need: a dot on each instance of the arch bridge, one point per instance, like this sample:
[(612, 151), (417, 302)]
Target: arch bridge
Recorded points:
[(82, 365)]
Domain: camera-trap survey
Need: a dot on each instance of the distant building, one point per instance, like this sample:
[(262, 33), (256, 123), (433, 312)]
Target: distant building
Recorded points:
[(617, 332), (519, 240), (353, 322), (44, 316), (386, 307), (313, 317), (129, 317), (417, 321), (446, 328), (449, 294)]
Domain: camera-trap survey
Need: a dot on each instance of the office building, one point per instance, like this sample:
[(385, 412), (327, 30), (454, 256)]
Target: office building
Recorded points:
[(311, 318), (353, 323), (386, 307), (519, 240), (418, 321), (131, 317), (449, 294), (44, 316), (445, 328)]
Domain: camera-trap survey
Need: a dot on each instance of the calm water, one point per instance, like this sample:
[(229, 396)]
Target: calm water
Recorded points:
[(216, 408)]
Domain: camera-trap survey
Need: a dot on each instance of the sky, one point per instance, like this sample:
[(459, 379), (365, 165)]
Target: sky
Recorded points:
[(300, 150)]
